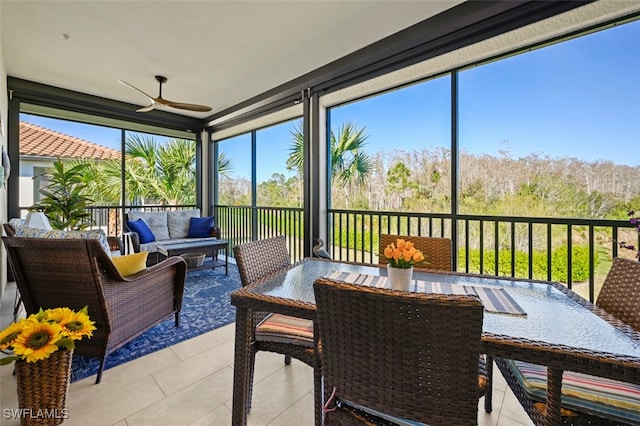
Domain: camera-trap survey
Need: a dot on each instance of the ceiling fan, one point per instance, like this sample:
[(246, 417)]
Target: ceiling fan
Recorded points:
[(161, 101)]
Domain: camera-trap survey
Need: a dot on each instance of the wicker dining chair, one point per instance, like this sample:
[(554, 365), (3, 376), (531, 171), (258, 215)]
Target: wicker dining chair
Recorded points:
[(620, 293), (620, 298), (293, 337), (437, 251), (412, 356), (74, 273)]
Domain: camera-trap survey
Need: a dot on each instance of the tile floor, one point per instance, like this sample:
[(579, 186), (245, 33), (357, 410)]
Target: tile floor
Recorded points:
[(190, 384)]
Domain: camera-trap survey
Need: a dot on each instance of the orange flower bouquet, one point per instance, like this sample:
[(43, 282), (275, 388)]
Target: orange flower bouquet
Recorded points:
[(402, 254), (39, 335)]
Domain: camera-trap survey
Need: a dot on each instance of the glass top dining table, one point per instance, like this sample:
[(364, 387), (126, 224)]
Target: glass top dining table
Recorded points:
[(559, 328)]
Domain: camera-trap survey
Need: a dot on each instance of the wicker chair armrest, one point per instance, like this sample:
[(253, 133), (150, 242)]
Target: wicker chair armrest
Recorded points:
[(166, 276), (215, 232)]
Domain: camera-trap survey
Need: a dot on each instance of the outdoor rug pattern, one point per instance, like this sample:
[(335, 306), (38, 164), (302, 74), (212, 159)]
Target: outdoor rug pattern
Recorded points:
[(206, 306)]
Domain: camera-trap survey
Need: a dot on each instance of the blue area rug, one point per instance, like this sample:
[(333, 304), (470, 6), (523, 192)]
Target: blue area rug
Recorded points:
[(206, 305)]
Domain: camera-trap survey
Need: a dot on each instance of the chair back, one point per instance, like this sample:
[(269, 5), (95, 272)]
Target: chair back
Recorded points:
[(620, 293), (437, 251), (52, 273), (410, 355), (261, 258)]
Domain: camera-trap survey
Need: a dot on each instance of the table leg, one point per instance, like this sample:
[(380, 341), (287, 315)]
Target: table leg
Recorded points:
[(241, 368), (226, 259), (554, 396)]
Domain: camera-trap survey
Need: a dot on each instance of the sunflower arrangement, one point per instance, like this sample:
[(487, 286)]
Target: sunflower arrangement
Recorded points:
[(39, 335), (402, 254)]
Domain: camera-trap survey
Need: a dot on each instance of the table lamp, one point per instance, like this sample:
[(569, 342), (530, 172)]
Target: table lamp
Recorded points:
[(37, 220)]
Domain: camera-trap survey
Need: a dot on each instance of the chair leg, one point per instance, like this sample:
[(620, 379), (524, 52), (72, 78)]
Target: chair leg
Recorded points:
[(177, 321), (287, 360), (99, 376), (488, 403), (252, 363)]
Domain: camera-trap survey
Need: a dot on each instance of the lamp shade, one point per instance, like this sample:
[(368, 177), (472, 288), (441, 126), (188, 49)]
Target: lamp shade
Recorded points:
[(37, 220)]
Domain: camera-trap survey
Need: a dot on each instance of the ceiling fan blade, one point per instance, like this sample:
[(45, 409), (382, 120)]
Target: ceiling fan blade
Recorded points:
[(190, 107), (136, 89), (161, 101), (147, 108)]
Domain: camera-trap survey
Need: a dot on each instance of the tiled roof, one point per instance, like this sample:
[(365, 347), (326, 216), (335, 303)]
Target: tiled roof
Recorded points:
[(43, 142)]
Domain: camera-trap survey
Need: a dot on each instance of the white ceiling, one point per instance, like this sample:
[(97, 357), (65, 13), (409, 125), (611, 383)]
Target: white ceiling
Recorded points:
[(216, 53)]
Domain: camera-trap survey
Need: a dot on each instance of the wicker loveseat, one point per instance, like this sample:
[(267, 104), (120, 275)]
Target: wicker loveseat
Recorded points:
[(53, 272), (167, 227)]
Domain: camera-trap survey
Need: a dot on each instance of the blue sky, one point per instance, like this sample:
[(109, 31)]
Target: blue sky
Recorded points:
[(575, 99)]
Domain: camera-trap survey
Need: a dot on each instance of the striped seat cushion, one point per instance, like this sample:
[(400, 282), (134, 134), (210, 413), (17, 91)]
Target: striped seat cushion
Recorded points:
[(285, 329), (590, 394)]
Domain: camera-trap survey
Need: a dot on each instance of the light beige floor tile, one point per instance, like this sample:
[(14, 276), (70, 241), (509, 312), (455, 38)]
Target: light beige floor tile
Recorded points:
[(105, 406), (188, 405), (300, 413), (279, 391), (512, 410), (221, 416), (184, 373), (132, 370), (204, 342)]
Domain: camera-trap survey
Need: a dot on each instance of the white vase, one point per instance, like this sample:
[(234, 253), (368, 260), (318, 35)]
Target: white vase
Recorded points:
[(399, 278)]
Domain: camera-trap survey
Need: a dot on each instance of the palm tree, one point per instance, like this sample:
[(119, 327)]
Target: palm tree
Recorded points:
[(161, 173), (224, 165), (349, 162)]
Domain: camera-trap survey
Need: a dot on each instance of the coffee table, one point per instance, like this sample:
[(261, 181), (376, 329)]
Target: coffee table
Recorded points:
[(210, 247)]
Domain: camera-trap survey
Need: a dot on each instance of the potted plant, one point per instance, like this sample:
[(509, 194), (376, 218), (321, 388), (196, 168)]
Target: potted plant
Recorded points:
[(402, 256), (42, 347), (65, 201)]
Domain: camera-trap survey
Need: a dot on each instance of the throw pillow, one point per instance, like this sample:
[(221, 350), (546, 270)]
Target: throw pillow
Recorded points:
[(130, 264), (200, 227), (142, 229)]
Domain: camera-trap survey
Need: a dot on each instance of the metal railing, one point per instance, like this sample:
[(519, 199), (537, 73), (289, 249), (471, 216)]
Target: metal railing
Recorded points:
[(576, 252), (241, 224)]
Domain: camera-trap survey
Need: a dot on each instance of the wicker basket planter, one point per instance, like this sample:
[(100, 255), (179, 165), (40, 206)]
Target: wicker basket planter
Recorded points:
[(194, 260), (42, 389)]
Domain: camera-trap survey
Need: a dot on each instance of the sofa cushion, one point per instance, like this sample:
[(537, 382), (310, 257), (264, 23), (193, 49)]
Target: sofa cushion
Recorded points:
[(582, 392), (157, 222), (178, 222), (200, 227), (140, 227), (94, 234)]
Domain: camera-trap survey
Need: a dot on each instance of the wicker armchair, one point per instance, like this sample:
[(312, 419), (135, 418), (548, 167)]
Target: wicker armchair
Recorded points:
[(407, 355), (620, 297), (258, 260), (75, 273), (437, 251)]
